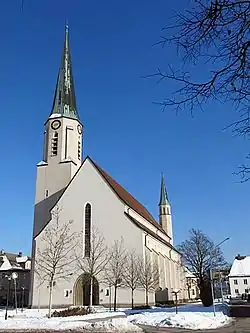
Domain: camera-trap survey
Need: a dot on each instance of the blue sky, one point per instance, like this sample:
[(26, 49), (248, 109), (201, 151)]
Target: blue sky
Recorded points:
[(125, 133)]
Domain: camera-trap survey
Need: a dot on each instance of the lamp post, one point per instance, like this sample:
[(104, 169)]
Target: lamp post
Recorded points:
[(175, 292), (22, 298), (211, 275), (14, 276), (7, 296)]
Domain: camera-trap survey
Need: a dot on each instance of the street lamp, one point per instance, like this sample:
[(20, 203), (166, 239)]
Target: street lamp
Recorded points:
[(22, 298), (175, 292), (211, 275), (14, 276), (7, 297)]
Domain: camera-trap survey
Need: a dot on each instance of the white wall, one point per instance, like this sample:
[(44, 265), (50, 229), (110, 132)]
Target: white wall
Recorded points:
[(241, 286)]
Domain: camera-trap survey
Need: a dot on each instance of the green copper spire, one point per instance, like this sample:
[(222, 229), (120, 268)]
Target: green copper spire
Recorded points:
[(163, 196), (64, 103)]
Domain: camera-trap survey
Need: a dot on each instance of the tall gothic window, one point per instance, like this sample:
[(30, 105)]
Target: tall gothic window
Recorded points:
[(87, 229)]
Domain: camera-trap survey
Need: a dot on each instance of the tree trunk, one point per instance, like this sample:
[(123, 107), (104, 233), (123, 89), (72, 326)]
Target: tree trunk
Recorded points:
[(50, 298), (146, 297), (115, 297), (189, 296), (205, 293), (132, 298), (91, 292)]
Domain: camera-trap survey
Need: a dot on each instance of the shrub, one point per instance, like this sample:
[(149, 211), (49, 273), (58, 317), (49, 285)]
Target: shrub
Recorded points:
[(141, 307), (73, 311)]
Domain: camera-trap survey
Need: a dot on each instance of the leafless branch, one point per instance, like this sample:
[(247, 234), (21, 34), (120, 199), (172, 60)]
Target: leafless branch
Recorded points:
[(54, 258), (215, 35)]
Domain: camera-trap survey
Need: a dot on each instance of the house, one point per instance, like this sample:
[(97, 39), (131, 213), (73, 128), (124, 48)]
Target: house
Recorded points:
[(239, 276), (21, 265), (89, 197), (192, 290)]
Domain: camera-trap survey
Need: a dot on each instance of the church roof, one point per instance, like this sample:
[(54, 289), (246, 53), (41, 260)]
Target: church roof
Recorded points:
[(127, 198), (64, 103)]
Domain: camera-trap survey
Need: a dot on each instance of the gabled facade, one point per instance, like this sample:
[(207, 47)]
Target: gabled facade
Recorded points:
[(21, 265), (76, 187), (239, 276)]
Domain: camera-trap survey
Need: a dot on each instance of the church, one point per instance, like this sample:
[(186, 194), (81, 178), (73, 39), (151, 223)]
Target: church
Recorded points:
[(88, 195)]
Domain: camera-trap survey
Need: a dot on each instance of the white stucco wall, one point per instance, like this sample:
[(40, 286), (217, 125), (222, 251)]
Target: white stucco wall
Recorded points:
[(108, 217), (241, 286)]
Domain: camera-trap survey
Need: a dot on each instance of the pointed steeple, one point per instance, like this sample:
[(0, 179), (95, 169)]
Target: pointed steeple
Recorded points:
[(163, 195), (64, 103)]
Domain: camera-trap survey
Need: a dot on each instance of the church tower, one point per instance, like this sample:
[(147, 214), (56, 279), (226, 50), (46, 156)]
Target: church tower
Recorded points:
[(62, 148), (165, 217)]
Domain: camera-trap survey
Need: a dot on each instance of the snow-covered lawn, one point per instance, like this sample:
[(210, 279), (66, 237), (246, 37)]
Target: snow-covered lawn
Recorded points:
[(193, 317), (100, 321)]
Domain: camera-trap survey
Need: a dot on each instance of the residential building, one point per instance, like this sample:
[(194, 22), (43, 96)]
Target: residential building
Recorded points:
[(21, 265), (239, 276)]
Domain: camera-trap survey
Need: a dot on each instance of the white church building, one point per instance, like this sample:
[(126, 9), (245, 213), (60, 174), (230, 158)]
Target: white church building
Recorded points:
[(86, 194)]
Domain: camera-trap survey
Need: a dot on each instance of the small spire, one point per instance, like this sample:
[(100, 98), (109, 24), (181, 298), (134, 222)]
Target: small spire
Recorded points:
[(64, 99), (163, 195)]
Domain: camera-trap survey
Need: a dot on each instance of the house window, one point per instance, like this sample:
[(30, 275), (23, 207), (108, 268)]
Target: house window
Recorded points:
[(54, 144), (246, 291), (245, 281), (87, 229), (193, 292), (235, 281), (107, 292), (236, 291)]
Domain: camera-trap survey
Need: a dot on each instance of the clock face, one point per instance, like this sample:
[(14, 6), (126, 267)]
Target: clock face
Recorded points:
[(79, 128), (55, 124)]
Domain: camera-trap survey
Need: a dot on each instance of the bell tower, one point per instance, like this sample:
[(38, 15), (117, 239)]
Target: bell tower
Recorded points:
[(165, 217), (62, 148)]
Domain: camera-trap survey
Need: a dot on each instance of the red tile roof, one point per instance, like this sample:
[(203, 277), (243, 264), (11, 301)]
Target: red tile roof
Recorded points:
[(127, 198)]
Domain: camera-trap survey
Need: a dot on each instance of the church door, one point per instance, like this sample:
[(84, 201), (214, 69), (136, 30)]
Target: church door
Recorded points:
[(82, 291)]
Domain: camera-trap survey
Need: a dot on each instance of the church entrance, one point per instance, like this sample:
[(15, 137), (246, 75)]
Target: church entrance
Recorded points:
[(82, 291)]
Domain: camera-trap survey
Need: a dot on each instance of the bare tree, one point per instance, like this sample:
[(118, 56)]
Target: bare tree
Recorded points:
[(94, 264), (131, 274), (54, 260), (213, 35), (148, 275), (115, 267), (200, 254)]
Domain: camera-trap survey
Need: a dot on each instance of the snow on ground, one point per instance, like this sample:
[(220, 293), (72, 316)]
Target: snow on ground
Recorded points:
[(34, 319), (193, 317)]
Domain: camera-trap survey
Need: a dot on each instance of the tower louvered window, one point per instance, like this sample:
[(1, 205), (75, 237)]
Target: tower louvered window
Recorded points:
[(54, 144), (79, 150), (87, 230)]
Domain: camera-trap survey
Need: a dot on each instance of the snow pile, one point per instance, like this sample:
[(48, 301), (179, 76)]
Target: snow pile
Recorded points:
[(187, 320), (32, 319)]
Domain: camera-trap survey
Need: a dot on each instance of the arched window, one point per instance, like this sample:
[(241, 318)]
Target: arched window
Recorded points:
[(87, 229)]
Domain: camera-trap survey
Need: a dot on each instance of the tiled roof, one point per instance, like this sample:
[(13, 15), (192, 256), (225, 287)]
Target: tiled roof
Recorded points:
[(141, 226), (127, 198)]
